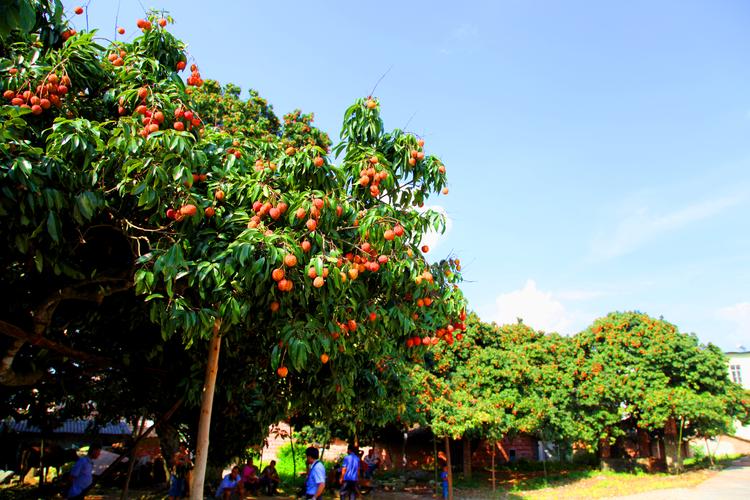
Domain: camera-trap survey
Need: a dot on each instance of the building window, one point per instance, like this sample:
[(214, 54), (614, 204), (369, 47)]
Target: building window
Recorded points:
[(736, 374)]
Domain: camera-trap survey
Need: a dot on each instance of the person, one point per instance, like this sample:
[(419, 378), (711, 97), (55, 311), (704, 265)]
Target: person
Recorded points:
[(250, 480), (372, 461), (181, 466), (82, 473), (269, 478), (316, 475), (350, 474), (229, 485), (444, 477)]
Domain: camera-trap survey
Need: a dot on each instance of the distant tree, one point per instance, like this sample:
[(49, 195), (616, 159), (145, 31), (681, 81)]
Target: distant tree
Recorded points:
[(496, 382), (631, 367)]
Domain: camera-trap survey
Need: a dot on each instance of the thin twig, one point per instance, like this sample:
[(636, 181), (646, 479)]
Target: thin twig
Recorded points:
[(87, 15), (409, 120), (379, 80), (117, 17), (159, 230)]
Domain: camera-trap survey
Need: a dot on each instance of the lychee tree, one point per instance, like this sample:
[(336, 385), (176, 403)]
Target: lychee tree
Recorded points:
[(118, 175), (630, 367), (496, 382)]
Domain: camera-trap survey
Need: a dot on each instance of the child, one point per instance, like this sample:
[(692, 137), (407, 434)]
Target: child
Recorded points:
[(444, 477)]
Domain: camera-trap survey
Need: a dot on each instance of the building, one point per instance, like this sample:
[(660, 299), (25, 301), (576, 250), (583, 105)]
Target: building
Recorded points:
[(739, 372), (738, 363), (739, 367)]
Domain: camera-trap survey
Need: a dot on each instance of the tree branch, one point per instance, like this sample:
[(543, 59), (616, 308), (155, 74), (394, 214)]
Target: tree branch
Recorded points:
[(17, 333), (7, 376)]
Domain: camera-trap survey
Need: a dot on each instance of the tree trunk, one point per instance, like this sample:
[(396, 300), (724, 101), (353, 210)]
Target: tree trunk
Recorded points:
[(404, 458), (140, 423), (679, 446), (672, 445), (42, 474), (204, 425), (467, 457), (435, 458), (494, 445), (708, 452), (119, 459), (450, 467), (294, 457)]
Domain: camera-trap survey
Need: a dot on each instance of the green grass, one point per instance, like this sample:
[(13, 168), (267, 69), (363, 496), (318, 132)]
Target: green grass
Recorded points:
[(600, 484), (720, 461), (567, 480)]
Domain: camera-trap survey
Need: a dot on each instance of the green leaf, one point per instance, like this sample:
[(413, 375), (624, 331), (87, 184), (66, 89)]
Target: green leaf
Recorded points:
[(38, 261), (53, 227), (85, 204)]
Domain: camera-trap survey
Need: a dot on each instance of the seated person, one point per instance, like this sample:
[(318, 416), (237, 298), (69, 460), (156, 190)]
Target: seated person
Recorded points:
[(250, 480), (372, 461), (229, 485), (269, 478)]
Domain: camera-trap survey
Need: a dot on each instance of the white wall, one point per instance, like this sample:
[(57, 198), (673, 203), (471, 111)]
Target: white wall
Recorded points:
[(741, 359)]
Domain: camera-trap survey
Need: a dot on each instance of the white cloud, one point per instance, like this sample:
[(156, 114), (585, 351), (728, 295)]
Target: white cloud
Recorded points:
[(538, 309), (639, 227), (578, 295), (433, 238), (739, 315)]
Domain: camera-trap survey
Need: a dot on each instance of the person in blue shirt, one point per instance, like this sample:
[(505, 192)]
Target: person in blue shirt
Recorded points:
[(316, 475), (82, 473), (229, 485), (350, 474), (446, 479)]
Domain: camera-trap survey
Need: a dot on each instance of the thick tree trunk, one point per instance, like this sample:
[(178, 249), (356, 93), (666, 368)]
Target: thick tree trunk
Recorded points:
[(450, 467), (204, 425), (672, 445), (467, 457)]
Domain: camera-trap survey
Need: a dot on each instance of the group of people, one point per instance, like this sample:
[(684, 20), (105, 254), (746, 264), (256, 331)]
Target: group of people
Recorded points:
[(352, 469), (356, 471), (248, 480), (237, 482), (349, 478)]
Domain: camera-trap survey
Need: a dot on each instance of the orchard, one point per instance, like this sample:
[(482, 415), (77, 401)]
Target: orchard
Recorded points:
[(172, 245), (124, 182)]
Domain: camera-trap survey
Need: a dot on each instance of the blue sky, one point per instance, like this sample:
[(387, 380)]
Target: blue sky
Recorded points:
[(597, 152)]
